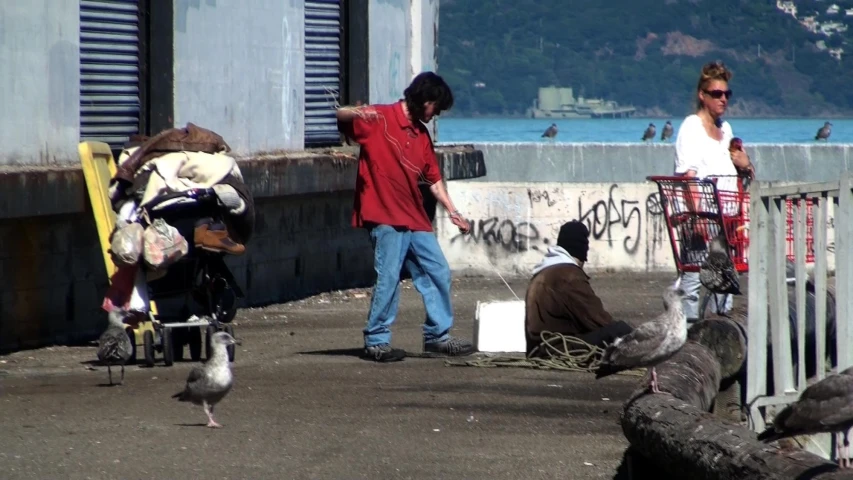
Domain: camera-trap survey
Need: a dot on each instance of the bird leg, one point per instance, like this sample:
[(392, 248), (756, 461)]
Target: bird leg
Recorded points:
[(121, 382), (654, 382), (838, 454), (110, 373), (846, 457), (208, 410)]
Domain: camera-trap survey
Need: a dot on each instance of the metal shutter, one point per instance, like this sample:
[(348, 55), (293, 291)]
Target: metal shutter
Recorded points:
[(322, 71), (109, 70)]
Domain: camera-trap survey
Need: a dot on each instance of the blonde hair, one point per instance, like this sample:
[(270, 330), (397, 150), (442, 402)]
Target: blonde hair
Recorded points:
[(712, 71)]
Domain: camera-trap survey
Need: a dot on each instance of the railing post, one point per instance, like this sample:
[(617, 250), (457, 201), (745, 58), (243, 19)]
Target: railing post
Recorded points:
[(820, 270), (756, 357), (844, 270), (780, 328), (798, 212)]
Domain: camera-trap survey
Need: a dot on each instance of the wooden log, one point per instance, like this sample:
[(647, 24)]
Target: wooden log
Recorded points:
[(728, 405), (692, 375), (727, 339), (676, 431), (687, 442)]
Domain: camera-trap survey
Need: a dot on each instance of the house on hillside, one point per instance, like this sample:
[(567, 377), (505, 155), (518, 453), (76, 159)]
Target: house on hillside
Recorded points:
[(810, 23), (833, 9), (849, 12), (787, 7), (829, 28)]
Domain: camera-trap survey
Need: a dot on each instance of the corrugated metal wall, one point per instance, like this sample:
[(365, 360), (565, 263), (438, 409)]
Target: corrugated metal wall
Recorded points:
[(109, 70), (322, 70)]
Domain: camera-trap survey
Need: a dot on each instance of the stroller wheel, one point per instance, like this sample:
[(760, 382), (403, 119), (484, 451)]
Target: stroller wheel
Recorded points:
[(211, 329), (179, 339), (148, 347), (208, 334), (195, 343), (168, 349), (230, 331), (132, 336)]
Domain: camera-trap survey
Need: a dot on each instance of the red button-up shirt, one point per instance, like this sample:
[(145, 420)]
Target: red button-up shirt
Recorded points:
[(394, 156)]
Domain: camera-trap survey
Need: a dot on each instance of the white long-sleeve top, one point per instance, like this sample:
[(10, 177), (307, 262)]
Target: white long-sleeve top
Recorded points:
[(695, 150)]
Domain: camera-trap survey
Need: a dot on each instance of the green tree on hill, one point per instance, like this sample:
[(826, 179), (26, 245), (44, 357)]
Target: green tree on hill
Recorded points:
[(641, 52)]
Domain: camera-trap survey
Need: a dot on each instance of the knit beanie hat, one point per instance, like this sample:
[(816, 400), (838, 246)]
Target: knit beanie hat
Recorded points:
[(574, 238)]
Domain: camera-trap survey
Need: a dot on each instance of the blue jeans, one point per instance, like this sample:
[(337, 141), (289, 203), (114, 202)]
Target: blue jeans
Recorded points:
[(422, 256)]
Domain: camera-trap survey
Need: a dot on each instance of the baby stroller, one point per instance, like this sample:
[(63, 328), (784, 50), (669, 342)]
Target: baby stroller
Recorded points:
[(196, 295), (199, 291)]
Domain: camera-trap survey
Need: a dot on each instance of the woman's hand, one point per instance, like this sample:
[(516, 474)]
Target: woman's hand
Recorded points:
[(740, 158), (742, 163)]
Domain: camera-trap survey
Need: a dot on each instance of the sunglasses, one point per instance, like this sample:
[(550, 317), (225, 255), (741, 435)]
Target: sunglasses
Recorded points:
[(716, 94)]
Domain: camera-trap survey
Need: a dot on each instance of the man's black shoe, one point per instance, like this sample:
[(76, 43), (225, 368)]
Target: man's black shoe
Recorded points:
[(452, 347), (383, 353)]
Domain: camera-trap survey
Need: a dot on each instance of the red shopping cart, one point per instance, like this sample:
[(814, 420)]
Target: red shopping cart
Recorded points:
[(697, 211)]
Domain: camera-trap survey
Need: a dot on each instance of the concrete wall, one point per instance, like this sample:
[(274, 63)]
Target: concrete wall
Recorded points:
[(390, 49), (615, 162), (238, 71), (424, 32), (514, 223), (39, 82), (241, 71)]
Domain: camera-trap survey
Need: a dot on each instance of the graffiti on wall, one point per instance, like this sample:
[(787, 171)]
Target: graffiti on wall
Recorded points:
[(505, 233), (615, 218), (603, 215), (543, 196)]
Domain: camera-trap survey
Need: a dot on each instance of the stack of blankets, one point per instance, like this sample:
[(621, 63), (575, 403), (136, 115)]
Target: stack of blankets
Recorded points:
[(174, 160)]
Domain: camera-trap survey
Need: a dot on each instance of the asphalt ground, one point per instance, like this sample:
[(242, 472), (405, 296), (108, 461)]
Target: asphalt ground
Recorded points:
[(304, 405)]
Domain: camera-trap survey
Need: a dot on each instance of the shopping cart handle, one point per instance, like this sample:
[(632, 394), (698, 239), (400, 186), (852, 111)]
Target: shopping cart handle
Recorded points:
[(679, 178)]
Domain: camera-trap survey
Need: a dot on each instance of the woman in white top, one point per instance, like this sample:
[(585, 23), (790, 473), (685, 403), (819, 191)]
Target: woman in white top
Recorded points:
[(702, 150)]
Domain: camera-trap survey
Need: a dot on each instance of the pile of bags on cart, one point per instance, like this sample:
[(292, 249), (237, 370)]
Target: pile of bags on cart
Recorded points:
[(173, 163)]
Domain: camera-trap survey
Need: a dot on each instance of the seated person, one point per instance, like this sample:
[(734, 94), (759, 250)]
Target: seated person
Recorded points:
[(561, 300)]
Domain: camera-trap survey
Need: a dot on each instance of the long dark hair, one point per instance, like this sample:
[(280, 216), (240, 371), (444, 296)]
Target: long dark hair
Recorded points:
[(427, 87)]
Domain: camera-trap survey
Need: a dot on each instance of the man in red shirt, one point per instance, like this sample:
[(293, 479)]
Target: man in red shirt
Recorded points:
[(396, 153)]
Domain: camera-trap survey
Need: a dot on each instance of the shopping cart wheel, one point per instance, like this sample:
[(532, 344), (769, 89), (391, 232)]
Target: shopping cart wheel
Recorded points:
[(230, 331), (168, 348), (148, 347), (195, 343)]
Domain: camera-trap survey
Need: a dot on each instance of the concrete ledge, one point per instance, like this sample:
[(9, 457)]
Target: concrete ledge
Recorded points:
[(31, 192), (27, 192), (633, 162), (461, 162)]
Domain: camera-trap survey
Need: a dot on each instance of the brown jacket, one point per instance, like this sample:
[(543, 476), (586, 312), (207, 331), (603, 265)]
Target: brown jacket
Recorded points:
[(561, 300)]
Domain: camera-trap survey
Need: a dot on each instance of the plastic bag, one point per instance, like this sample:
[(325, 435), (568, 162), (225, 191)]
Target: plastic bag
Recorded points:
[(163, 245), (126, 244)]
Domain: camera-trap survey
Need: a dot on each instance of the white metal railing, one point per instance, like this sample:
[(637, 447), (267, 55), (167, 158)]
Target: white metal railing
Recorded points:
[(768, 292)]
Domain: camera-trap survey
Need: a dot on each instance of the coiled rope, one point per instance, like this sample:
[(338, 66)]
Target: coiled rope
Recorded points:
[(556, 352)]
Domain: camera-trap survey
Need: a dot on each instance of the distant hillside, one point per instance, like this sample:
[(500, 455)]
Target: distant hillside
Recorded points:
[(497, 53)]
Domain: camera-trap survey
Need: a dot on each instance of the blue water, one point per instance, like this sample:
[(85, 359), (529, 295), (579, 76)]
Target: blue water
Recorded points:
[(620, 130)]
